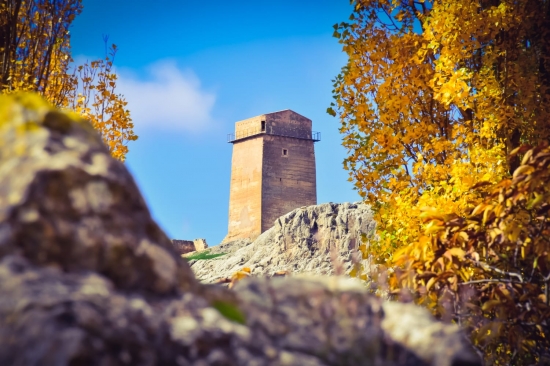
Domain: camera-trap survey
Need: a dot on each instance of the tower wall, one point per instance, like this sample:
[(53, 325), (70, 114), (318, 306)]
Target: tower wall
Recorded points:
[(249, 126), (287, 123), (288, 181), (272, 171), (245, 204)]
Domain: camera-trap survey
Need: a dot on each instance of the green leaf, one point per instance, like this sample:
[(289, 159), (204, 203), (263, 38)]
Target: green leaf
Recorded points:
[(331, 112), (229, 311)]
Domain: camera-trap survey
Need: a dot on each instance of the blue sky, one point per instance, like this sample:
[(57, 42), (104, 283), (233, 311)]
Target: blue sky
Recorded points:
[(191, 69)]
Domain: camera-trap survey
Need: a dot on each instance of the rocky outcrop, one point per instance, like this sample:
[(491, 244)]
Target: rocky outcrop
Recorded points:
[(87, 278), (319, 239)]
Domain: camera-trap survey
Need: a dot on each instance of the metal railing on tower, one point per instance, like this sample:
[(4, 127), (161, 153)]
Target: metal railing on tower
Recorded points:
[(313, 135)]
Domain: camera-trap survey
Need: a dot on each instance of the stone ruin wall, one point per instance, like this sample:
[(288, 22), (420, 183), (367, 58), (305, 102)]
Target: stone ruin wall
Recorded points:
[(187, 246)]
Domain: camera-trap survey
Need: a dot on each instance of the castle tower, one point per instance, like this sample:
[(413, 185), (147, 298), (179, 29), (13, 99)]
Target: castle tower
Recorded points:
[(272, 171)]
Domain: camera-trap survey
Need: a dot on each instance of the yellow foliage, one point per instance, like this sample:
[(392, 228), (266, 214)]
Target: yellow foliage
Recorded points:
[(433, 99), (35, 56), (239, 275), (95, 98)]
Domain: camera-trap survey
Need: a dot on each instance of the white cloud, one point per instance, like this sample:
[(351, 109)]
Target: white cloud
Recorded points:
[(168, 98)]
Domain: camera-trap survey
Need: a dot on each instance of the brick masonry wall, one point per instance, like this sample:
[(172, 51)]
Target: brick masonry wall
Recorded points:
[(200, 244), (288, 123), (249, 126), (288, 181), (183, 246), (245, 189)]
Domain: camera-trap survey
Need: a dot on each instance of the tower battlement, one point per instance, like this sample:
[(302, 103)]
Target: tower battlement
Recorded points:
[(272, 171)]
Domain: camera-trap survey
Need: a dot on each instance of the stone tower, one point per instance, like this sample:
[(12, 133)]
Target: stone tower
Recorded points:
[(272, 171)]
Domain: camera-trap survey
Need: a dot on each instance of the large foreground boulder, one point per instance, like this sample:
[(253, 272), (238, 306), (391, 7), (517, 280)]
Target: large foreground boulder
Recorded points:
[(320, 239), (65, 201), (87, 278), (48, 317)]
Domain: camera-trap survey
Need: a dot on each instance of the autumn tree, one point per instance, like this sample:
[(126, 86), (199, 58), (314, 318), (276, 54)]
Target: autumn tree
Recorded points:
[(433, 99), (492, 266), (35, 56)]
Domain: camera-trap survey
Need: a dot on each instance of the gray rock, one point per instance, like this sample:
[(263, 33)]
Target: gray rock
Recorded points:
[(65, 201), (48, 317), (335, 321), (87, 278), (313, 239)]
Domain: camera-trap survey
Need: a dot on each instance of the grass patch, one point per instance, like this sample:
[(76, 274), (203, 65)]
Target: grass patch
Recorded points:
[(203, 256)]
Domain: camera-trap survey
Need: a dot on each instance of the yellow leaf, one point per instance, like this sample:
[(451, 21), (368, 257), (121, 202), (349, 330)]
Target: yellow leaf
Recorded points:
[(457, 252), (431, 282), (523, 170), (490, 305), (478, 209)]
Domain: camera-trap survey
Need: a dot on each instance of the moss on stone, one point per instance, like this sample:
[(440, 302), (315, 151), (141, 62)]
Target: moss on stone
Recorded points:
[(27, 110)]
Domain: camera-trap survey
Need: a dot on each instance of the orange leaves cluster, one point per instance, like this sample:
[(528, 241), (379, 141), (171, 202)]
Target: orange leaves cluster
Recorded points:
[(239, 275), (434, 97), (480, 257), (35, 56), (429, 82), (493, 264)]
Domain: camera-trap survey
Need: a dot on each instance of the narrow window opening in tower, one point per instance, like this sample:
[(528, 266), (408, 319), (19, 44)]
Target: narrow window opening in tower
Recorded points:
[(285, 152), (263, 126)]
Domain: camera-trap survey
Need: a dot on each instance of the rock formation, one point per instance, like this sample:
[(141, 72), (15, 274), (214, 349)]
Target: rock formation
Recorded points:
[(319, 239), (87, 278)]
